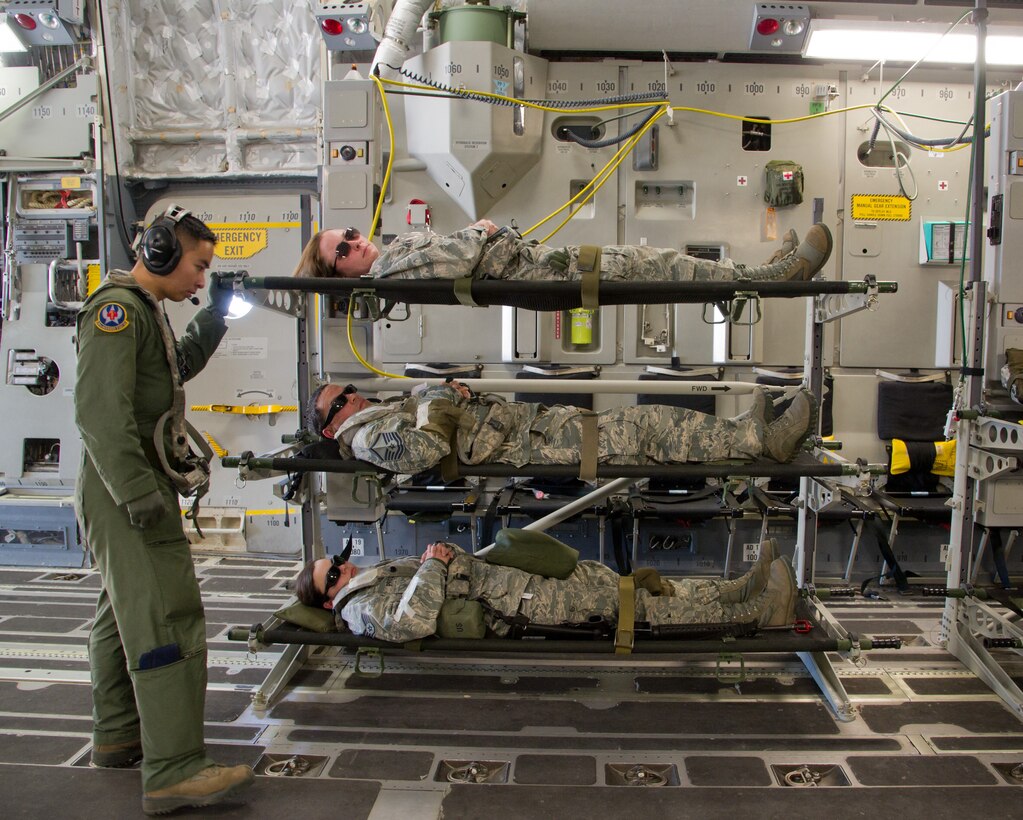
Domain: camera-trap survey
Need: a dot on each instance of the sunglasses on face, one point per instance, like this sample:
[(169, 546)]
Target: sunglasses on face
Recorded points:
[(334, 573), (344, 248), (338, 403)]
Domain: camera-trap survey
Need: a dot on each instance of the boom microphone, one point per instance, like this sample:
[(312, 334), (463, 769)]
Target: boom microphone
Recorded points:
[(194, 300)]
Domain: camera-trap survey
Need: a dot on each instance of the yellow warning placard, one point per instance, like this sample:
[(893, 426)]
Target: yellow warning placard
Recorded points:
[(94, 275), (238, 241), (881, 208)]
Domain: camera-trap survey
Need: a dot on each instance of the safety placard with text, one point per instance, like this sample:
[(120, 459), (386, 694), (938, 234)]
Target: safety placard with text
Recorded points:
[(238, 240), (881, 208)]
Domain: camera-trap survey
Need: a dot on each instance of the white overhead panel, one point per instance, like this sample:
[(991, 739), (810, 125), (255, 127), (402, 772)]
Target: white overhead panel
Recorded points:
[(474, 150)]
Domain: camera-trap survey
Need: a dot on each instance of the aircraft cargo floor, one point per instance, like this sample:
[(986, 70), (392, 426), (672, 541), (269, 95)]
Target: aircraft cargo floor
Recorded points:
[(517, 737)]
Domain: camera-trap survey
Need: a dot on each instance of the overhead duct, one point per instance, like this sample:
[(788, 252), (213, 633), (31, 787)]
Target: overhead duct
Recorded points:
[(476, 151), (401, 28)]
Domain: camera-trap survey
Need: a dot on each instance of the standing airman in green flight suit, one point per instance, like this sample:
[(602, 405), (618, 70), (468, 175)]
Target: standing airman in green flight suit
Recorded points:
[(147, 648)]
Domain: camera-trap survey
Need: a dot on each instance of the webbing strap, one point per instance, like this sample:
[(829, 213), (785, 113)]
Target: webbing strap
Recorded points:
[(1006, 600), (998, 556), (885, 548), (502, 499), (588, 264), (620, 510), (463, 291), (449, 463), (625, 635), (588, 446)]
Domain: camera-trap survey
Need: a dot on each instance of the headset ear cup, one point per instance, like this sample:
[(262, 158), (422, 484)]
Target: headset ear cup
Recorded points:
[(161, 250)]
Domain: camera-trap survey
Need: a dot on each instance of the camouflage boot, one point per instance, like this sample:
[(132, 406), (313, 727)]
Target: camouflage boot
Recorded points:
[(762, 409), (782, 593), (775, 606), (748, 586), (784, 436), (789, 243), (802, 264), (1012, 373)]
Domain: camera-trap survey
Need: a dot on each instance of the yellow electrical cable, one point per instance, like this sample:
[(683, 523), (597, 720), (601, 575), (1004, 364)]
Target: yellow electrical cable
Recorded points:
[(462, 94), (603, 176), (617, 159), (786, 121), (390, 158), (589, 190), (355, 352), (626, 150), (609, 167), (647, 104), (600, 178), (373, 227)]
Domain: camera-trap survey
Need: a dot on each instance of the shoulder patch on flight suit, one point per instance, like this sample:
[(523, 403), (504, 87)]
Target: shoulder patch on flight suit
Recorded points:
[(112, 318)]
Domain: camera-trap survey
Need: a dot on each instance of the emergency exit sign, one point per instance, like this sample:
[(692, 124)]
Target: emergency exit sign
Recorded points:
[(881, 208), (243, 240)]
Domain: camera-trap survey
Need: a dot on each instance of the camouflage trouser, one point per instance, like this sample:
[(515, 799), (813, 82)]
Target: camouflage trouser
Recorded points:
[(1012, 374), (695, 601), (619, 263), (649, 434), (593, 590)]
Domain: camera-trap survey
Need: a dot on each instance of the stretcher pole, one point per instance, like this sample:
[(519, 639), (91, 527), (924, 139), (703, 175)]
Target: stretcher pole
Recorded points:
[(573, 507), (666, 387)]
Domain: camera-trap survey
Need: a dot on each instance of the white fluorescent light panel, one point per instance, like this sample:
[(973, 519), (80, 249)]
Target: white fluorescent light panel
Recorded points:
[(873, 41)]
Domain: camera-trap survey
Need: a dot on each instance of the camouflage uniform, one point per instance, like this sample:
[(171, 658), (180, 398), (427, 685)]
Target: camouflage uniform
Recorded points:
[(1012, 373), (412, 434), (507, 256), (403, 599)]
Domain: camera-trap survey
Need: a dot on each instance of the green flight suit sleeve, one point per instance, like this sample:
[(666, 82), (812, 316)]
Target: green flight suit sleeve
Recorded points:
[(200, 341), (408, 618), (105, 403)]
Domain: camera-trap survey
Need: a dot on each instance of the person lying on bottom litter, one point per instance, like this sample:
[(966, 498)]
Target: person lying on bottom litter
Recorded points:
[(403, 599)]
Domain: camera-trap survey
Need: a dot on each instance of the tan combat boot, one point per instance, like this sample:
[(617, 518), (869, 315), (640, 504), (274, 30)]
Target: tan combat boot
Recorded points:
[(204, 788), (784, 436), (775, 606), (789, 243), (800, 265), (749, 586), (762, 409), (116, 755), (781, 594)]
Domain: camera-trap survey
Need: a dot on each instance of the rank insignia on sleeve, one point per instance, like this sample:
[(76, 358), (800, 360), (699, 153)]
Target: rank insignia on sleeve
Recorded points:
[(112, 318)]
